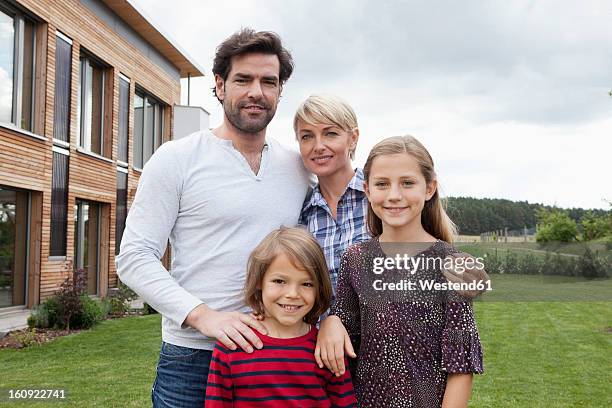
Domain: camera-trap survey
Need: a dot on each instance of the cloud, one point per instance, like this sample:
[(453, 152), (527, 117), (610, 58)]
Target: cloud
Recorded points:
[(504, 94)]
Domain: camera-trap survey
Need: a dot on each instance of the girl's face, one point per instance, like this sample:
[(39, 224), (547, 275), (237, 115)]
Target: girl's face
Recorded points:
[(397, 190), (325, 148), (288, 294)]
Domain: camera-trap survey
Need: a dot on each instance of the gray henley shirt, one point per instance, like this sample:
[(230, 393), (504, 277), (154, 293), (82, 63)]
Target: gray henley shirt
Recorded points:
[(200, 193)]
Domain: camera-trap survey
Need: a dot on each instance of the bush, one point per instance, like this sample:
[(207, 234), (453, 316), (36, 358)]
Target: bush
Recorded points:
[(592, 266), (555, 225), (117, 306), (46, 315), (69, 297), (147, 309), (91, 313), (124, 292), (26, 338), (69, 308)]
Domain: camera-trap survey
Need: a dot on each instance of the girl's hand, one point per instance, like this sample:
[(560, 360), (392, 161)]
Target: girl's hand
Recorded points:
[(333, 342)]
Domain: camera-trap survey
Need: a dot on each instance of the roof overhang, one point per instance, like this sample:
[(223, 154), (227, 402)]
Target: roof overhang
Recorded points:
[(133, 15)]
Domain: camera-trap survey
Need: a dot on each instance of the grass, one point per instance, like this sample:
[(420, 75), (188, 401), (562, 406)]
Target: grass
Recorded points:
[(569, 249), (112, 365), (547, 288), (545, 355), (537, 354)]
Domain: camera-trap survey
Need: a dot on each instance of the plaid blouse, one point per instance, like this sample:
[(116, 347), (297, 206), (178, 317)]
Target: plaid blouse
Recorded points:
[(349, 227)]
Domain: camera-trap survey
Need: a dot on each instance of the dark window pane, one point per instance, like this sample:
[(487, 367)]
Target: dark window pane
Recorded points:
[(7, 48), (13, 247), (59, 204), (27, 83), (121, 209), (63, 69), (97, 108), (124, 112), (138, 130)]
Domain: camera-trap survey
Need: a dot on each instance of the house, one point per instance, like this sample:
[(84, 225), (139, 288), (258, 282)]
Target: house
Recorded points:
[(87, 94)]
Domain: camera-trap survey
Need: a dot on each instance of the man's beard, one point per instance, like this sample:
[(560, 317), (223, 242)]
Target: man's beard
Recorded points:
[(248, 125)]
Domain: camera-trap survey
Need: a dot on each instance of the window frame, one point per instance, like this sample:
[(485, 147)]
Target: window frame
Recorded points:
[(19, 21), (159, 123), (87, 59), (58, 249)]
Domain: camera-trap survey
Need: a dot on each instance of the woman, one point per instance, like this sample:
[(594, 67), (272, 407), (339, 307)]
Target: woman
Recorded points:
[(335, 212)]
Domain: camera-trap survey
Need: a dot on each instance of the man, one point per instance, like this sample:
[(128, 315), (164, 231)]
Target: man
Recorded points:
[(215, 195)]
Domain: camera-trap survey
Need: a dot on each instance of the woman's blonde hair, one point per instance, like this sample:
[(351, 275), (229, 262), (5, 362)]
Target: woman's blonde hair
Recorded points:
[(305, 254), (433, 217), (327, 109)]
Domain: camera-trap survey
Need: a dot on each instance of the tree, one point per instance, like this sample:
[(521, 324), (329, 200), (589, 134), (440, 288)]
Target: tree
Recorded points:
[(594, 227), (555, 225)]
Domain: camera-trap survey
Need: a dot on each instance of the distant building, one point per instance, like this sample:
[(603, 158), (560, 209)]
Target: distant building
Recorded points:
[(189, 119), (87, 90)]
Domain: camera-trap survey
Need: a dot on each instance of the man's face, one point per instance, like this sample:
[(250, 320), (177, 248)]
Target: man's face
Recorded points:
[(251, 91)]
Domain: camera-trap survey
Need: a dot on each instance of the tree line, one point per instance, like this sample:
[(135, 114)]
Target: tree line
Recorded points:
[(475, 216)]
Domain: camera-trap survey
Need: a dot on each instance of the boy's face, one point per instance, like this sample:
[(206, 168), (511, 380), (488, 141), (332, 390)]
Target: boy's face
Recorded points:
[(288, 294)]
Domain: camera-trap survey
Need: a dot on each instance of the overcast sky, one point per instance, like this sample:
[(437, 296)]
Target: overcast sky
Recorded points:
[(510, 97)]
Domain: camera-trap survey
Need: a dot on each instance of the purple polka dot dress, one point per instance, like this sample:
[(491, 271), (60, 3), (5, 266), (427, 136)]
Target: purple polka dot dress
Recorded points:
[(408, 341)]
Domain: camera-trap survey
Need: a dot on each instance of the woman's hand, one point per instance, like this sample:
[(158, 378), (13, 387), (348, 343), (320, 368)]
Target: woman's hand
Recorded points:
[(333, 342)]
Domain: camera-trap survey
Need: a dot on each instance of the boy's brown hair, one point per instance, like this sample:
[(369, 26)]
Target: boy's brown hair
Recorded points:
[(304, 252)]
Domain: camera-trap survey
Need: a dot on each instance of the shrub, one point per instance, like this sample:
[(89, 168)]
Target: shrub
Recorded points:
[(147, 309), (46, 315), (91, 312), (529, 264), (592, 266), (555, 225), (69, 296), (124, 292), (26, 338), (117, 306)]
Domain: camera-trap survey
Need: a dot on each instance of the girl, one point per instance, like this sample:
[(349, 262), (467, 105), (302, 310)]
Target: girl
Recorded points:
[(288, 284), (418, 348)]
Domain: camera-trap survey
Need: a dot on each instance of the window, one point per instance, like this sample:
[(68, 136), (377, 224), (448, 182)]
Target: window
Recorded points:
[(59, 202), (91, 107), (63, 70), (14, 222), (124, 113), (148, 127), (87, 220), (121, 207), (17, 50)]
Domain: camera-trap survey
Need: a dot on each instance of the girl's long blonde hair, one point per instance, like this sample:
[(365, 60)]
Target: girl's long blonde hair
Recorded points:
[(433, 217)]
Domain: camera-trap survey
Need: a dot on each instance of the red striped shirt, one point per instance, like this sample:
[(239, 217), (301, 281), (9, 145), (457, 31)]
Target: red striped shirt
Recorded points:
[(282, 374)]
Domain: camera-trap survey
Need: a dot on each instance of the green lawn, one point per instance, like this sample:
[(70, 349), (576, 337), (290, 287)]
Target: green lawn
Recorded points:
[(112, 365), (537, 354)]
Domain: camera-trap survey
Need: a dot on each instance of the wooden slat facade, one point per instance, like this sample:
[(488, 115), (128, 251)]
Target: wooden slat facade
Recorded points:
[(26, 160)]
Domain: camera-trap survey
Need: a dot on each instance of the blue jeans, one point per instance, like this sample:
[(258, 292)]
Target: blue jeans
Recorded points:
[(181, 378)]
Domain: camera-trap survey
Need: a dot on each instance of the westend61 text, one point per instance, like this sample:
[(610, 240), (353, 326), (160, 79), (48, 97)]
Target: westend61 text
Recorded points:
[(413, 264), (428, 285)]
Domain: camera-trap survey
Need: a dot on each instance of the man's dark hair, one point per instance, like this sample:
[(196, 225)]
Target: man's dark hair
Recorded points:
[(248, 41)]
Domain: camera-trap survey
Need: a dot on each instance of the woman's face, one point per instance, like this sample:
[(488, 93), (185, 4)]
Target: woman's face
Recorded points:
[(325, 148)]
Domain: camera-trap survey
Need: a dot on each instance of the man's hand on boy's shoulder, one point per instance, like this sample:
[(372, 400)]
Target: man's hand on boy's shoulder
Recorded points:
[(232, 329)]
